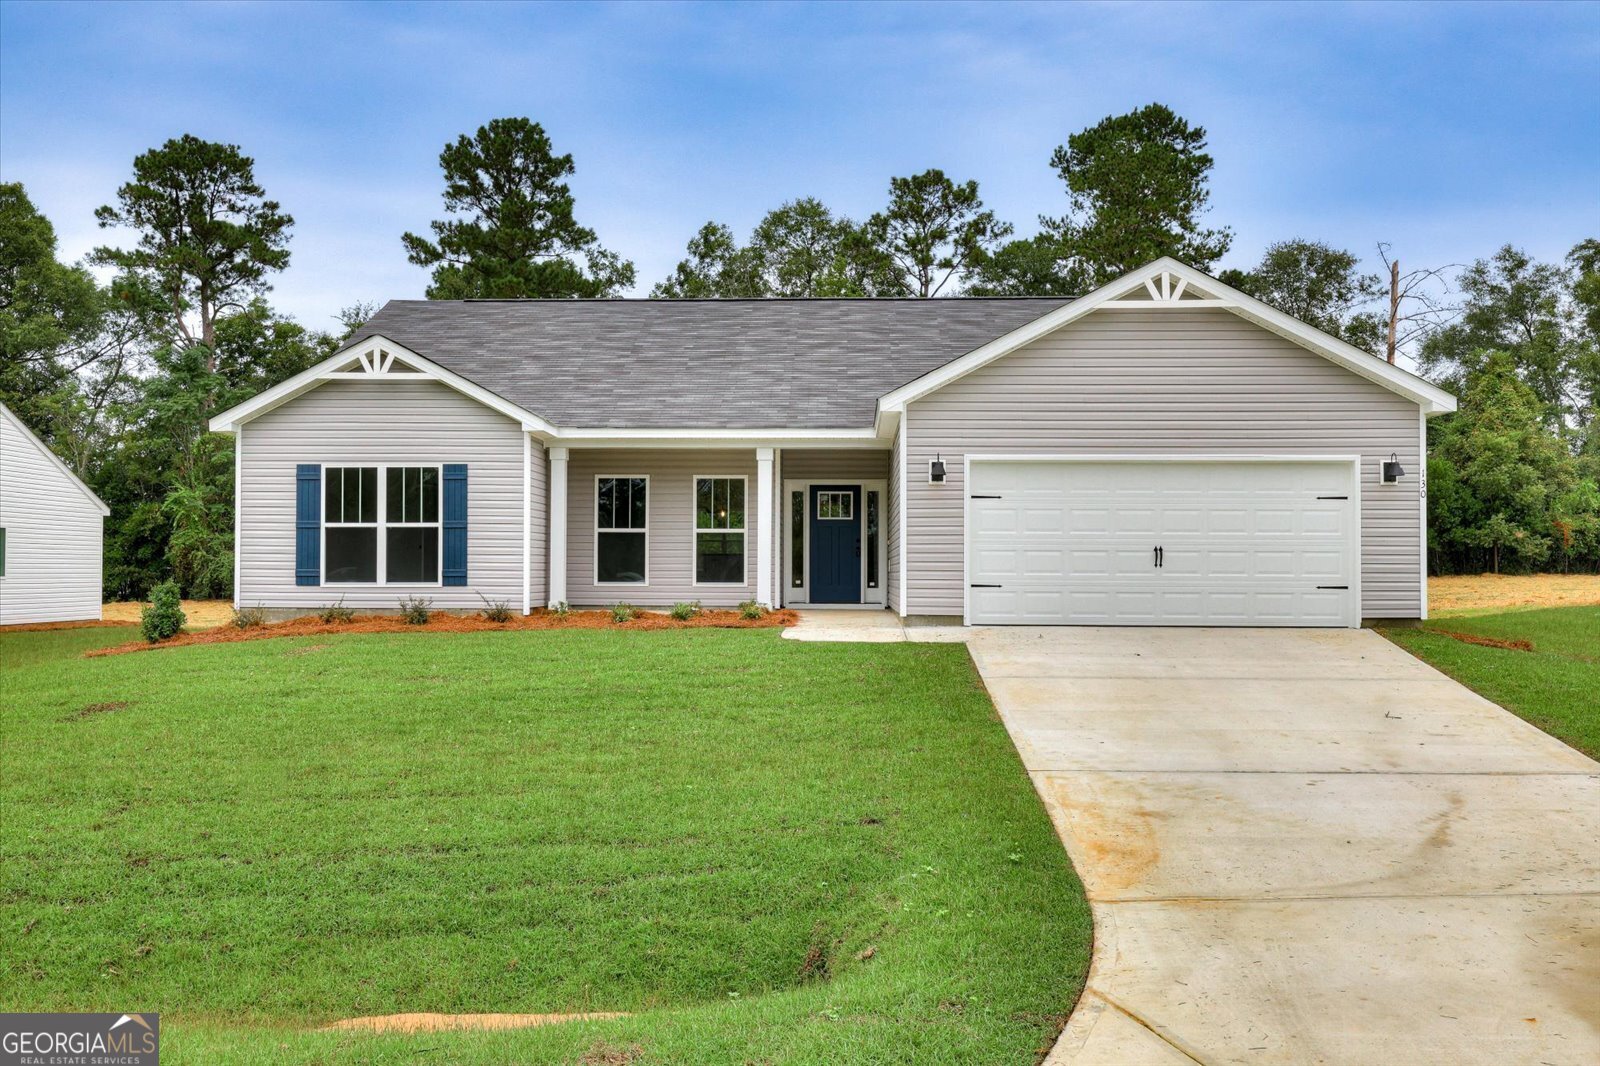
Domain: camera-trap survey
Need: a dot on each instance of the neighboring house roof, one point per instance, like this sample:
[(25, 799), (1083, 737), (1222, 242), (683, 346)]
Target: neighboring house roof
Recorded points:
[(664, 364), (11, 416), (723, 367)]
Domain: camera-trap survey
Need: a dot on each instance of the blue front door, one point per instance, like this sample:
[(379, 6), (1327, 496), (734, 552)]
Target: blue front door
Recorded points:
[(836, 544)]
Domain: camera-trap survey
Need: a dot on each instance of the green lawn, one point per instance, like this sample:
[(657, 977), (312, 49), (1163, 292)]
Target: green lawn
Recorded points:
[(768, 850), (1556, 686)]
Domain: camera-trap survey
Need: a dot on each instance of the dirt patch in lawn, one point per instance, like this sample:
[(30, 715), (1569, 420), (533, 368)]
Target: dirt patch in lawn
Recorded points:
[(435, 1023), (312, 626), (1498, 592), (199, 614), (94, 710), (1487, 642)]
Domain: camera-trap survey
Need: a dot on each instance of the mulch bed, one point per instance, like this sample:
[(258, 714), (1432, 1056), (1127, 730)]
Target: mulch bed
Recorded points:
[(45, 627), (312, 626), (1487, 642)]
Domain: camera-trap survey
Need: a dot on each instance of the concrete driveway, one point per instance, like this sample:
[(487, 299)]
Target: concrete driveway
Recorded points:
[(1305, 846)]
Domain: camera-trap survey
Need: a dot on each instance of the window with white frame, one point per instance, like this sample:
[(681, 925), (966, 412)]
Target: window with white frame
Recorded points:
[(719, 528), (394, 532), (622, 530)]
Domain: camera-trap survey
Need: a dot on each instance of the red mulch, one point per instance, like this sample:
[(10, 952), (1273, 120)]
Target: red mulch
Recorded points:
[(312, 626), (1487, 642), (44, 627)]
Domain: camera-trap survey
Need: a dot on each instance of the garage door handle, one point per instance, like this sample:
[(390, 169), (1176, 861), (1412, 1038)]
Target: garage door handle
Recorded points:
[(985, 497), (1333, 586), (1160, 556), (986, 586), (1333, 497)]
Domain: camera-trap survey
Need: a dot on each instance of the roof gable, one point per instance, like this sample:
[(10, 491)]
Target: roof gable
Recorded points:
[(45, 450), (1169, 284)]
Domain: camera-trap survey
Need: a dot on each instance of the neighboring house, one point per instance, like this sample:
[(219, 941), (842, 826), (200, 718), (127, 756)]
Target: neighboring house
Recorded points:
[(1164, 450), (51, 533)]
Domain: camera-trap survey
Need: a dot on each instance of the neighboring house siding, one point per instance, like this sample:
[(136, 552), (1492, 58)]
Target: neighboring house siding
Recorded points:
[(53, 537), (671, 523), (1202, 381), (539, 530), (363, 423)]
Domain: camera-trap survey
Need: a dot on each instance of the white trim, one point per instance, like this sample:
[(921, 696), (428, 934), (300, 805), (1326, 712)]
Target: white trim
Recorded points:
[(381, 526), (695, 531), (1422, 512), (1353, 610), (527, 524), (336, 368), (595, 569), (45, 450), (1433, 399), (800, 595), (702, 437), (764, 476), (238, 510), (900, 509), (557, 548)]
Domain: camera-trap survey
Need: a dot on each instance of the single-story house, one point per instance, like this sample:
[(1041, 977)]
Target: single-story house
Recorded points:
[(1165, 450), (51, 533)]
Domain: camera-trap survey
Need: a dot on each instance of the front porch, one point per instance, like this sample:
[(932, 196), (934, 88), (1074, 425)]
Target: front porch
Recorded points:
[(654, 526)]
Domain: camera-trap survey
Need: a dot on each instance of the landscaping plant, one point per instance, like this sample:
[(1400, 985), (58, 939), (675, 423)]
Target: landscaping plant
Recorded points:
[(249, 617), (623, 612), (751, 611), (415, 610), (162, 619), (682, 612), (336, 613), (495, 610)]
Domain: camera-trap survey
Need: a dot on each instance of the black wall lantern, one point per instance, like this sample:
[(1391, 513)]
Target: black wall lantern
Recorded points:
[(936, 469), (1392, 470)]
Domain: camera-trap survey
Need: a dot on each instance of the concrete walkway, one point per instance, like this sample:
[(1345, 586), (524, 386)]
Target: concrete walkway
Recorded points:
[(868, 626), (1307, 847)]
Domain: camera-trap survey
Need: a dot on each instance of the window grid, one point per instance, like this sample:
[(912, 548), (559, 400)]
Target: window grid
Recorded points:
[(717, 528), (622, 506), (361, 487)]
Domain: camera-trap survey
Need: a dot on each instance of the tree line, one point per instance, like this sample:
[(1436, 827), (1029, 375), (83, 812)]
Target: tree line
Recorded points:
[(121, 376)]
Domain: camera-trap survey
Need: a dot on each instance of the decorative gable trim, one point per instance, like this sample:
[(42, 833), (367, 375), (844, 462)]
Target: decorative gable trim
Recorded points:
[(1164, 285), (377, 359)]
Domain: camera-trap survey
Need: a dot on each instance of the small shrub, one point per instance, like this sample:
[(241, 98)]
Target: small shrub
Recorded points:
[(495, 610), (682, 612), (249, 617), (752, 611), (162, 619), (623, 612), (562, 609), (336, 614), (415, 610)]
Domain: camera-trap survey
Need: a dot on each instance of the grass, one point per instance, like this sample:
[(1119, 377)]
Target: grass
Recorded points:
[(767, 850), (1556, 686)]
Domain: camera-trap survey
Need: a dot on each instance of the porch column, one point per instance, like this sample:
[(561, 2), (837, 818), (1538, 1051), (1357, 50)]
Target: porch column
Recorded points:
[(764, 527), (558, 525)]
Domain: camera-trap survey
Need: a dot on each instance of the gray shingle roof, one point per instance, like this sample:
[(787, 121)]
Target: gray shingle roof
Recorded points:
[(655, 364)]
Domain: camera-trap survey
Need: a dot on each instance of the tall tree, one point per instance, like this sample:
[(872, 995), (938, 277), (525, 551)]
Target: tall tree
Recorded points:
[(208, 236), (517, 235), (1136, 187), (1319, 285), (715, 267), (50, 314), (1418, 305), (1029, 266), (934, 230), (802, 246), (1521, 307)]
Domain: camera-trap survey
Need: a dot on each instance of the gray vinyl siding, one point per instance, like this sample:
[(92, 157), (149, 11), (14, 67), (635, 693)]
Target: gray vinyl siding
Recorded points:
[(670, 515), (53, 537), (892, 579), (842, 464), (539, 530), (1201, 381), (363, 423)]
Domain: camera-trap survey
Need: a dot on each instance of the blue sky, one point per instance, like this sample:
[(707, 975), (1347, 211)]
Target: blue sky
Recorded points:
[(1446, 130)]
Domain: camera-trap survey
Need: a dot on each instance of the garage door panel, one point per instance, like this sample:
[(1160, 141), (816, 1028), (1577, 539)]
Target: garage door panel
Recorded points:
[(1243, 543)]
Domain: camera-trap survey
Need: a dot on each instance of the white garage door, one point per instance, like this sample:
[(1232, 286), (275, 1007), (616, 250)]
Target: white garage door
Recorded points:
[(1223, 543)]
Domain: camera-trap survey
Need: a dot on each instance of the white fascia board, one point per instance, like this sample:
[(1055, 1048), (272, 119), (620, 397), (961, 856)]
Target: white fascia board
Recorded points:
[(328, 370), (867, 438), (50, 454), (1432, 399)]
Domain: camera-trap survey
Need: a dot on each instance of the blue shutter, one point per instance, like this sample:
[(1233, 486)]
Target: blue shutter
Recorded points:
[(455, 524), (308, 524)]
